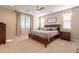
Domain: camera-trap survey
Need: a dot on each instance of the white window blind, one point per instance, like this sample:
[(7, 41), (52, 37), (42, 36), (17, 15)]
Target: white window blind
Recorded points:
[(67, 20)]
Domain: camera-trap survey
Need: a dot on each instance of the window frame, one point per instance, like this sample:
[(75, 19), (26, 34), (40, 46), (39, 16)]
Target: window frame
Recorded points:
[(66, 21), (25, 19)]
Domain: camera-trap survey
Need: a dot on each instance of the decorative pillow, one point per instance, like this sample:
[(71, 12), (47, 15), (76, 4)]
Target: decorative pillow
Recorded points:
[(45, 28), (49, 28), (52, 28)]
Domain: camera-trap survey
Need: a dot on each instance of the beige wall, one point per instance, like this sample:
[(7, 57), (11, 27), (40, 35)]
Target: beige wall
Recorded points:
[(75, 20), (9, 18), (58, 15), (75, 23)]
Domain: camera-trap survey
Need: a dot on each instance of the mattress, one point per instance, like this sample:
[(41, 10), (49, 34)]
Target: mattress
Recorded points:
[(45, 34)]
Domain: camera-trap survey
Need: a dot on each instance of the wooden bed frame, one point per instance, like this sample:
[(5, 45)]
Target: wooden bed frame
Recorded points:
[(45, 40)]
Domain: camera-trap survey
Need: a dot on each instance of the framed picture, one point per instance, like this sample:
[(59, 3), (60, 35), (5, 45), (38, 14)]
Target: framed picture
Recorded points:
[(52, 20)]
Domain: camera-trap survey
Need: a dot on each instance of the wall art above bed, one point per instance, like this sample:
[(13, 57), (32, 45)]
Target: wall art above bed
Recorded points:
[(52, 20)]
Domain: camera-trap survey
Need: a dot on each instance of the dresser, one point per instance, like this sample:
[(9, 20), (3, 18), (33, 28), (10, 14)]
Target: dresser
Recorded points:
[(65, 35), (2, 33)]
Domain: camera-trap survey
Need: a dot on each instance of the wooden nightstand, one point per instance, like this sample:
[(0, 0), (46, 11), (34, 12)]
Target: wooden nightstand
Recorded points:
[(65, 35)]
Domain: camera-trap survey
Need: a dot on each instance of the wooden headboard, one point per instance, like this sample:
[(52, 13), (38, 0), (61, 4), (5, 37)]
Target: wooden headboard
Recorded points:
[(55, 25)]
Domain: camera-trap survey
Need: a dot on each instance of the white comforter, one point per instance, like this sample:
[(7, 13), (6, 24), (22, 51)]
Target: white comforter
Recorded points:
[(44, 34)]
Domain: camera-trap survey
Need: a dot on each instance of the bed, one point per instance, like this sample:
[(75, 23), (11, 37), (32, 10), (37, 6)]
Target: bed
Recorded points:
[(46, 36)]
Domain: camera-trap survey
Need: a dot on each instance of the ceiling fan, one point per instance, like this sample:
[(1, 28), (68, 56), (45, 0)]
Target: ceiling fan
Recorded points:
[(38, 8)]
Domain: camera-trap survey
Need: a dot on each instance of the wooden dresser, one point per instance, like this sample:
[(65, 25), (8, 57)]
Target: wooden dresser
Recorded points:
[(2, 33), (65, 35)]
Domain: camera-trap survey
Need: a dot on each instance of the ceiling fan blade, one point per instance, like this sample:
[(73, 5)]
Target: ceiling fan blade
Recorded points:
[(42, 8), (38, 8)]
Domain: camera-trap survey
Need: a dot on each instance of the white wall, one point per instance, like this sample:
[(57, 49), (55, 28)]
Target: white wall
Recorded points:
[(75, 23), (35, 22), (9, 18)]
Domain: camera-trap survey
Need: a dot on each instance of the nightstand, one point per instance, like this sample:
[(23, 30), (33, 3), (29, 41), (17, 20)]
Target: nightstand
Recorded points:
[(65, 35)]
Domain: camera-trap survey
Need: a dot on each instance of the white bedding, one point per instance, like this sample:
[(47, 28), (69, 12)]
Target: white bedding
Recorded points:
[(45, 34)]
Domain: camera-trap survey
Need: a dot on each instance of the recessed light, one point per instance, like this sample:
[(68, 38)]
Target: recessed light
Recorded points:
[(37, 11)]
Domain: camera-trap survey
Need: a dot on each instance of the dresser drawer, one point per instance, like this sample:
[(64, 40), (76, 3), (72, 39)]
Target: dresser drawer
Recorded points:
[(65, 35)]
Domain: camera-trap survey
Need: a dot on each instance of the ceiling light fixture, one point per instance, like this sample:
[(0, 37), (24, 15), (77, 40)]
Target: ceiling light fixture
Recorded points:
[(37, 11)]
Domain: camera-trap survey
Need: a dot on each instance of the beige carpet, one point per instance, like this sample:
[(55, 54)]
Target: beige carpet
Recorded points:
[(24, 45)]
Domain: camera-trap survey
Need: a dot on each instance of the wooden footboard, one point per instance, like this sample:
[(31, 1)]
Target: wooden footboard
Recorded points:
[(40, 39)]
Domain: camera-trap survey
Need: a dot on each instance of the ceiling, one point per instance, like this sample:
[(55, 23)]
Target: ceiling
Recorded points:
[(31, 9)]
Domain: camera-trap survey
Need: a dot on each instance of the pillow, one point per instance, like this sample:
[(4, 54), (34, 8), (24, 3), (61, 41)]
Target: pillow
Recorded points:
[(52, 28), (45, 28), (49, 28)]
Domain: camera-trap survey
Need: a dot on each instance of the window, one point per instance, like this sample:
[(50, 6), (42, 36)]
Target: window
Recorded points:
[(67, 20), (25, 21)]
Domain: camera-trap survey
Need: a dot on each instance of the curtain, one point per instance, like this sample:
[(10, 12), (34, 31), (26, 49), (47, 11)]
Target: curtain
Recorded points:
[(31, 23), (25, 24), (18, 22)]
